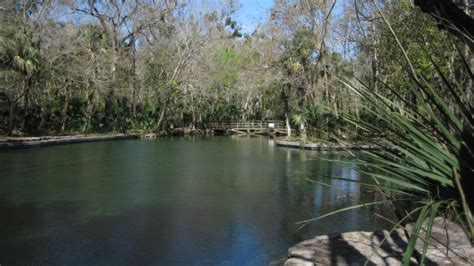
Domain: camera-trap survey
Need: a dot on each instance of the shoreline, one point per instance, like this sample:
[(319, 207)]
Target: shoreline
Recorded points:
[(326, 146), (10, 143), (13, 143)]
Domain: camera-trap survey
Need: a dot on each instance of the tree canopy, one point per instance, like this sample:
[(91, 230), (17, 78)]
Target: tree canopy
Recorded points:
[(103, 66)]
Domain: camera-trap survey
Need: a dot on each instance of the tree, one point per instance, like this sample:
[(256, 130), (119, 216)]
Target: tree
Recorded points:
[(19, 50), (124, 21)]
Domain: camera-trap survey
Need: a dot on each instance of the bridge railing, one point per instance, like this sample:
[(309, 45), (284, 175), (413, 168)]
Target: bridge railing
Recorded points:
[(248, 125)]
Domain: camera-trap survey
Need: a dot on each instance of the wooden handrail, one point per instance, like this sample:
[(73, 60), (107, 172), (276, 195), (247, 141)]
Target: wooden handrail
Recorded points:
[(247, 125)]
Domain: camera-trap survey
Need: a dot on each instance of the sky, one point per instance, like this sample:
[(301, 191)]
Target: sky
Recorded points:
[(251, 12)]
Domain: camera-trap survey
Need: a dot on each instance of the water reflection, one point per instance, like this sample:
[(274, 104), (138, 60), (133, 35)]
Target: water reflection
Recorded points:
[(170, 201)]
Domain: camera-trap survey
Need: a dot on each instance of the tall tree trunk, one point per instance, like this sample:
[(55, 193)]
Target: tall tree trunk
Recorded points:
[(193, 113), (11, 111), (91, 95), (375, 61), (134, 101), (287, 123), (287, 113), (64, 110), (246, 106), (326, 92), (301, 104), (302, 128), (470, 82), (110, 98), (133, 85), (89, 109), (159, 124), (26, 107), (108, 110), (11, 117)]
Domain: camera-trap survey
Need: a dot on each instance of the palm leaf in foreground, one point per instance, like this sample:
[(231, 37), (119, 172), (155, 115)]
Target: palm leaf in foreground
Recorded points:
[(428, 158)]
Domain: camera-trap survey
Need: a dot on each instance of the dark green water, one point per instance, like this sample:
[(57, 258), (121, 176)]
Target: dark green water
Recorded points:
[(208, 201)]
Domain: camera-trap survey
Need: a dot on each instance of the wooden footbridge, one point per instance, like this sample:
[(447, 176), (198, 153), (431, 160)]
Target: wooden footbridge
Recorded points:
[(250, 127)]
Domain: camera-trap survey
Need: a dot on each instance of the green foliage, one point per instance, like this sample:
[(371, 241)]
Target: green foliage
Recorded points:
[(227, 61), (155, 74), (424, 165), (234, 27), (97, 40), (225, 112), (75, 113), (19, 48), (429, 161), (417, 33), (298, 119), (301, 52)]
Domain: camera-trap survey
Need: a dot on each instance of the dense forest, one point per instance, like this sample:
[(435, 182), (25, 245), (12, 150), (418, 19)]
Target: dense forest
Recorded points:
[(127, 66)]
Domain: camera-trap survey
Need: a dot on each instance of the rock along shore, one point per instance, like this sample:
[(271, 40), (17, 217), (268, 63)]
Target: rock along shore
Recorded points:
[(448, 246), (8, 143), (325, 146)]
